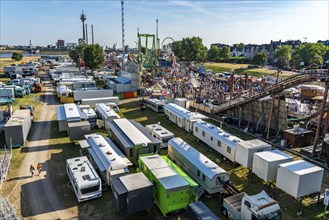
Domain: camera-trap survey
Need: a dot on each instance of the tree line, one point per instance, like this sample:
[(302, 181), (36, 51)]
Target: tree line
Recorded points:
[(305, 54), (92, 55)]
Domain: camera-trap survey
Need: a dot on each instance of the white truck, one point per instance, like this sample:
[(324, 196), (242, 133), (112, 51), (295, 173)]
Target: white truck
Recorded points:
[(257, 207)]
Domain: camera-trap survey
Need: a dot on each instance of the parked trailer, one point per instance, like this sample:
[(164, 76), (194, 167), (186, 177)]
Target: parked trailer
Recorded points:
[(92, 102), (182, 117), (106, 159), (216, 138), (132, 138), (155, 104), (171, 192), (199, 211), (244, 207), (105, 113), (89, 113), (17, 127), (159, 132), (132, 193), (205, 172), (78, 95), (84, 179)]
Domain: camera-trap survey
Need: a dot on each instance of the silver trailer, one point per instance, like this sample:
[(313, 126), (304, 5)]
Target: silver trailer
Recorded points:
[(182, 117), (103, 153), (17, 128), (84, 179), (155, 104), (89, 113), (92, 102), (132, 138), (105, 112), (216, 138), (205, 172), (79, 95), (160, 133)]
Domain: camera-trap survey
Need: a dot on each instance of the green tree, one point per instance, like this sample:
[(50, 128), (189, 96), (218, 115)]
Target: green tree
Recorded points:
[(283, 55), (309, 53), (93, 56), (77, 53), (259, 58), (224, 53), (240, 46), (213, 53), (190, 49), (177, 49), (17, 56)]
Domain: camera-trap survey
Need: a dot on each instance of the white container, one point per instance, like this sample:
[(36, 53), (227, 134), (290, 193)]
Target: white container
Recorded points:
[(299, 178), (265, 164), (245, 151)]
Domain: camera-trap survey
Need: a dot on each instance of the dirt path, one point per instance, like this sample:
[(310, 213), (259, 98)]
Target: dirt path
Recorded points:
[(38, 198)]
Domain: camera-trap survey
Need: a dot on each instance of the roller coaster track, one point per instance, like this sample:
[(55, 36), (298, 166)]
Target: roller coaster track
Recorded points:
[(272, 90)]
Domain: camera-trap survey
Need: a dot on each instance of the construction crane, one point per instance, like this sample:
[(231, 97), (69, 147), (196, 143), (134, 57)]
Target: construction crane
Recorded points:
[(150, 59)]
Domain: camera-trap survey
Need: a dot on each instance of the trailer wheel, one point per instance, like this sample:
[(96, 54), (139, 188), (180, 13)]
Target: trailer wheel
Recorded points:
[(224, 212)]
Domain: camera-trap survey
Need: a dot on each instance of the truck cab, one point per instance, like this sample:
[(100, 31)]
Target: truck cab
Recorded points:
[(257, 207)]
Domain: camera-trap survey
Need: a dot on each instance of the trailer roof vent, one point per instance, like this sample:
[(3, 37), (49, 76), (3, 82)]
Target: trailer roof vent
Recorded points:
[(206, 161), (83, 169), (86, 177), (108, 152), (158, 129), (164, 132), (78, 159), (101, 145)]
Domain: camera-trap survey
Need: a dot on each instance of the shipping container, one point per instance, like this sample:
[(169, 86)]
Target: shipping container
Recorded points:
[(265, 164), (133, 193), (78, 130), (17, 128), (299, 178), (245, 151)]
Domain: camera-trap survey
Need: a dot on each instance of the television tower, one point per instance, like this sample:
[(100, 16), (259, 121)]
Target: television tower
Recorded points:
[(83, 18)]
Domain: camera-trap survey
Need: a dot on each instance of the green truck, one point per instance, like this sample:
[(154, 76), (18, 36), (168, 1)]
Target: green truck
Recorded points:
[(173, 189)]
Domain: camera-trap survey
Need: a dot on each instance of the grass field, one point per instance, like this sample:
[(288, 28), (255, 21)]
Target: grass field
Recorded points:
[(9, 61), (239, 174), (242, 69), (61, 148)]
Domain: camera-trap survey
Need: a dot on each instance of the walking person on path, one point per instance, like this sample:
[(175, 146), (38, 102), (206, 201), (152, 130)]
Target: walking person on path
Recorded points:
[(32, 170), (39, 168)]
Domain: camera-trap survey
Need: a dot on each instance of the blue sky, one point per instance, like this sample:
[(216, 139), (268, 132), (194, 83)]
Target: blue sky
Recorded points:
[(224, 21)]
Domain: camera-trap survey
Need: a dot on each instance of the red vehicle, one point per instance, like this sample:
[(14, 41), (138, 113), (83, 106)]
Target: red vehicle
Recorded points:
[(36, 87)]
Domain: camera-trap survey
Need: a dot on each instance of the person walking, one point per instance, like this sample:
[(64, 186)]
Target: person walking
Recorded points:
[(39, 168), (32, 170)]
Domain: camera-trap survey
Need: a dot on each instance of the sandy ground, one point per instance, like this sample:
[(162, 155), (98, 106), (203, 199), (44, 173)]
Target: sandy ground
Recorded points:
[(39, 200)]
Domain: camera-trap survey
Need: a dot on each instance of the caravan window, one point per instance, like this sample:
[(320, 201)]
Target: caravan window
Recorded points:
[(203, 178), (219, 144), (211, 138), (228, 149), (90, 189), (198, 173), (131, 152), (203, 134), (196, 129)]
